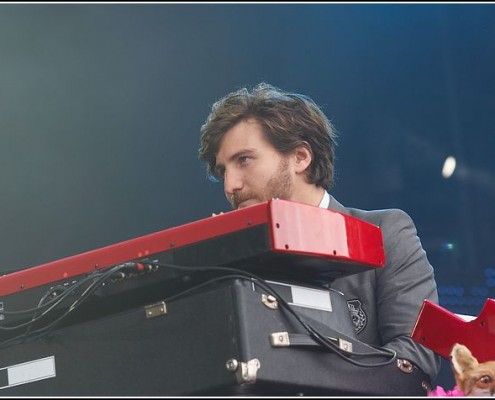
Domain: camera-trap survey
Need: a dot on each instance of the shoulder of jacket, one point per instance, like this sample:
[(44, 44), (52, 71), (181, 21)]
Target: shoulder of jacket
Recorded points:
[(377, 215)]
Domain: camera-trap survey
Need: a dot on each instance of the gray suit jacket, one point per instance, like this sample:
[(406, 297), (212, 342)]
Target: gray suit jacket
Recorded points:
[(385, 302)]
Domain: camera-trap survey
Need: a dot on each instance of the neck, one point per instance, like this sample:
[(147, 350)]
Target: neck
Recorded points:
[(311, 194)]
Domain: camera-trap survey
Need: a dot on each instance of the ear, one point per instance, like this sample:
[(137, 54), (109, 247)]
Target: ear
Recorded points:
[(462, 359), (303, 157)]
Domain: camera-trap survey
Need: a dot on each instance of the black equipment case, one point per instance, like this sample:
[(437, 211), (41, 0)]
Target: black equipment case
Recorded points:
[(230, 338)]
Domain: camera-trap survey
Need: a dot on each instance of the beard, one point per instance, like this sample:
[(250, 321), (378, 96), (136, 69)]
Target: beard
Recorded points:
[(278, 186)]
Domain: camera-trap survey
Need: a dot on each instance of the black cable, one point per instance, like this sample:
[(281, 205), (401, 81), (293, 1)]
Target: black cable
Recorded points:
[(50, 304), (317, 336), (100, 277)]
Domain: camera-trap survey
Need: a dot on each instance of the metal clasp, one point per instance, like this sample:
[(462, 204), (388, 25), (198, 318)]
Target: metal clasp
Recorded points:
[(244, 371), (405, 365), (269, 301), (155, 310)]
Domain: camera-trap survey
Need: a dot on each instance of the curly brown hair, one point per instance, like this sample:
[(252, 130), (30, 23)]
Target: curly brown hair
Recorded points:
[(288, 120)]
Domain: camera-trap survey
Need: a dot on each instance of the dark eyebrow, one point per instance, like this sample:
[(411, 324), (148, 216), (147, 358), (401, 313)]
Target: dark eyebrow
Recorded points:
[(242, 153), (219, 167)]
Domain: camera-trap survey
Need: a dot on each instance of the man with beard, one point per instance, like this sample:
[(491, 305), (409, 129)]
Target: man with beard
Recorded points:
[(267, 143)]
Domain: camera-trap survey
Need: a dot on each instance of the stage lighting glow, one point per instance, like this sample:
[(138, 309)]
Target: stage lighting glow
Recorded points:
[(449, 246), (448, 167)]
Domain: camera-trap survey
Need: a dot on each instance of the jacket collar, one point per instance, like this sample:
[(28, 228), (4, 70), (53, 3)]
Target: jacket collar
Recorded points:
[(336, 206)]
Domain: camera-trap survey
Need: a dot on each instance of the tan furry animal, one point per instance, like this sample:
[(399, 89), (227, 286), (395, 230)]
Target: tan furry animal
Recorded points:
[(472, 377)]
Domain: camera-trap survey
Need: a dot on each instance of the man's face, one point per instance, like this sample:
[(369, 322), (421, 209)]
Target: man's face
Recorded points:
[(252, 169)]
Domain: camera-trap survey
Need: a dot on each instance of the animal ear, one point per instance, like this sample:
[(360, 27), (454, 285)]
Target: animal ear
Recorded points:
[(462, 359)]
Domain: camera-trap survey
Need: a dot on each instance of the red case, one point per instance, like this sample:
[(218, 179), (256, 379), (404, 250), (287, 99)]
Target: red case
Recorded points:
[(439, 329)]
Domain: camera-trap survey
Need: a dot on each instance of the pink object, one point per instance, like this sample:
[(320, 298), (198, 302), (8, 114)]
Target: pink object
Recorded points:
[(440, 392)]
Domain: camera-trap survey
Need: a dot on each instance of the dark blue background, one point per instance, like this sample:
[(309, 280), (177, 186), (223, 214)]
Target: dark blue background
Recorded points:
[(101, 106)]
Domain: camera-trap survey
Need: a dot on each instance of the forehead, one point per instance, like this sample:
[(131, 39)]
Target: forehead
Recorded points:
[(245, 136)]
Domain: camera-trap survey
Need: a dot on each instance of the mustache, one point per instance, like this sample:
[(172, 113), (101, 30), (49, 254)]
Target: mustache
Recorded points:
[(237, 198)]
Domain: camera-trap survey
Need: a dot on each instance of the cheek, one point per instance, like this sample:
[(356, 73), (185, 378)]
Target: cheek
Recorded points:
[(258, 182), (263, 173)]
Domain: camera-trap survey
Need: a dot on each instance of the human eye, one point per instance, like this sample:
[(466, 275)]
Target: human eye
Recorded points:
[(220, 172), (244, 160)]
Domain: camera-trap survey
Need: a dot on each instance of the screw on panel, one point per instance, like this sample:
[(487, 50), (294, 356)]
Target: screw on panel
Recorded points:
[(232, 365)]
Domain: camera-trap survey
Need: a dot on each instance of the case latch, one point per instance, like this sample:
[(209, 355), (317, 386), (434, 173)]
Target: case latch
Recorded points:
[(244, 371)]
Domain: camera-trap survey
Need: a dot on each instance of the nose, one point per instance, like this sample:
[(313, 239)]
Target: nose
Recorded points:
[(232, 182)]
